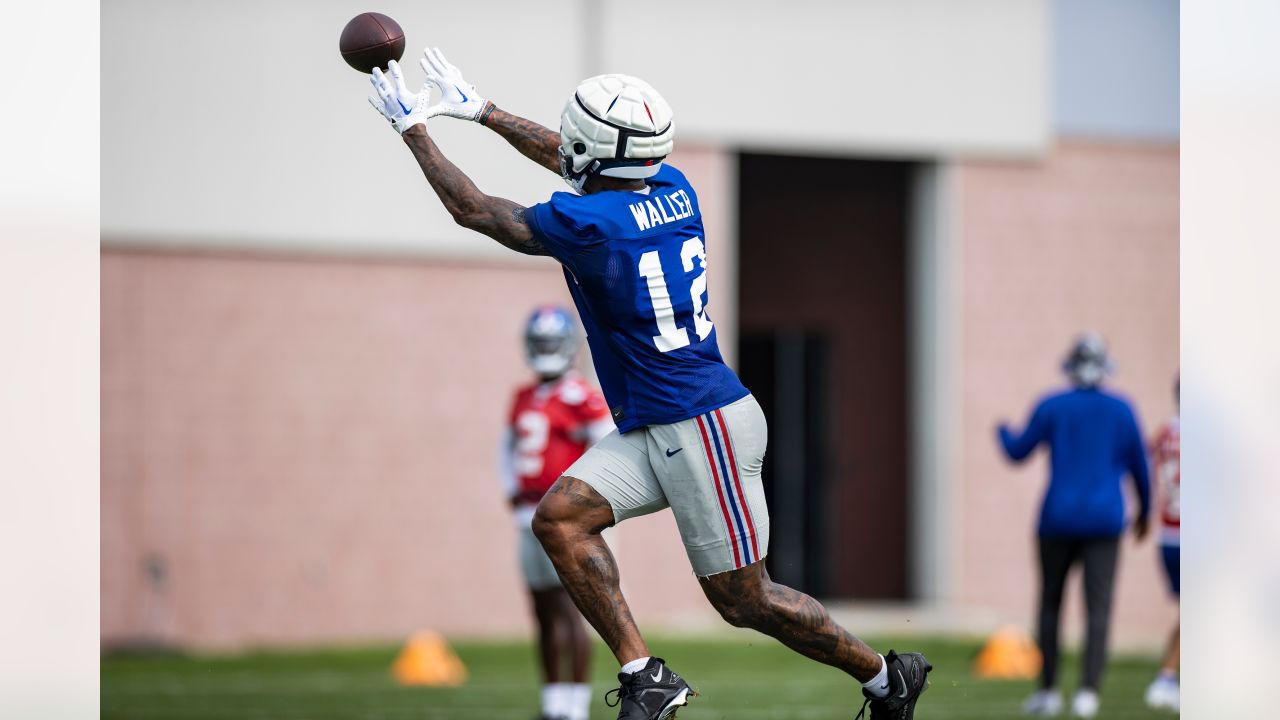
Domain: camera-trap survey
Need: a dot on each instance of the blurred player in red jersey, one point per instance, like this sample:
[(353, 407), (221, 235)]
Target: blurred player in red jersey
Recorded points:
[(1165, 459), (552, 423)]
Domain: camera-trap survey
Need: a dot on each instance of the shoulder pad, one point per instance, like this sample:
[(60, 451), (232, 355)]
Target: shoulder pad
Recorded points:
[(572, 392)]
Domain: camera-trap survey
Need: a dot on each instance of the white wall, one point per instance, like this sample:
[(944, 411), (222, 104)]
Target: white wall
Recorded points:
[(901, 77), (237, 123)]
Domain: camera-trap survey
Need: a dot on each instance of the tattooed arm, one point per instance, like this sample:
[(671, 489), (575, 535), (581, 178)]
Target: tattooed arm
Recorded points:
[(500, 219), (534, 141)]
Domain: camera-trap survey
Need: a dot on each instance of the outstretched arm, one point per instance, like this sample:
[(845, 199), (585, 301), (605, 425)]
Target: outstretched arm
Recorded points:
[(500, 219), (538, 143), (1018, 446), (459, 99), (408, 112)]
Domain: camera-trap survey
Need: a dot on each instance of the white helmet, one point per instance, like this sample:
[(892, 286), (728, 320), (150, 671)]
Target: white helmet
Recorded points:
[(616, 126)]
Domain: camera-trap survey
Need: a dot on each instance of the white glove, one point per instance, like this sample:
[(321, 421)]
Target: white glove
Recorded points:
[(394, 101), (458, 98)]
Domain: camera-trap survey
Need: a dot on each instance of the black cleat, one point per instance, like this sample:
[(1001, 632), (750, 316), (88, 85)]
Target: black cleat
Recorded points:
[(908, 678), (654, 693)]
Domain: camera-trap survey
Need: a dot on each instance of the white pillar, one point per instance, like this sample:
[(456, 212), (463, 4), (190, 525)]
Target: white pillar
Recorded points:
[(935, 379)]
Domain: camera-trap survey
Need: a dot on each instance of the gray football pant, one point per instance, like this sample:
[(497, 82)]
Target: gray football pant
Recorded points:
[(706, 469)]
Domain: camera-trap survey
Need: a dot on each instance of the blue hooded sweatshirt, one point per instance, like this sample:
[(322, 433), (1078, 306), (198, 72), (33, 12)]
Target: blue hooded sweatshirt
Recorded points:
[(1094, 441)]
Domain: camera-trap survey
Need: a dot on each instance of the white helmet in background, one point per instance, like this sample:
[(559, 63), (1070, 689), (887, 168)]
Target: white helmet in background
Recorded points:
[(616, 126)]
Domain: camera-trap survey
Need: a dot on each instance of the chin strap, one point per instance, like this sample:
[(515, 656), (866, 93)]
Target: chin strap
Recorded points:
[(626, 169)]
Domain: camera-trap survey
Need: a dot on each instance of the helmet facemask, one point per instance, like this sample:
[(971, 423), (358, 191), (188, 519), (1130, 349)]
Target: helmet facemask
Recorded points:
[(577, 179)]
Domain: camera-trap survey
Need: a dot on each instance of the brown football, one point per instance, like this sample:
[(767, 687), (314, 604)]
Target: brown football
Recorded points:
[(370, 41)]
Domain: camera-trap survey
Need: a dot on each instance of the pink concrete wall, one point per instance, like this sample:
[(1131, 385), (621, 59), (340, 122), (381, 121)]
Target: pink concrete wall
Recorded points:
[(1086, 239), (309, 444)]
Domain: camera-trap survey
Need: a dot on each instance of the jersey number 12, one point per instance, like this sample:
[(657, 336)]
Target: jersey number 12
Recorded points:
[(670, 335)]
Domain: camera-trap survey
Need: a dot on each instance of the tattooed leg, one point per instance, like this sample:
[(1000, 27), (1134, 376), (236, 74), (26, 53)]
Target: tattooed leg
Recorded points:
[(748, 598), (568, 523)]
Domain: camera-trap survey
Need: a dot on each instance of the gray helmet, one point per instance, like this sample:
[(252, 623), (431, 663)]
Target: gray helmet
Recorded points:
[(1088, 363), (550, 339)]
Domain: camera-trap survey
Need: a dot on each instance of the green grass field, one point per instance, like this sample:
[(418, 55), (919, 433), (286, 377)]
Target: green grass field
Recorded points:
[(740, 679)]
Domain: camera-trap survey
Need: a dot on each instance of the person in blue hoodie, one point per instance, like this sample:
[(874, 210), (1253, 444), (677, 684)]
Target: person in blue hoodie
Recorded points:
[(1094, 441)]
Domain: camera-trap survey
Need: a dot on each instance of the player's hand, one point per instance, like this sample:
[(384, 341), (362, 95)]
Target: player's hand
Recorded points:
[(394, 101), (458, 98)]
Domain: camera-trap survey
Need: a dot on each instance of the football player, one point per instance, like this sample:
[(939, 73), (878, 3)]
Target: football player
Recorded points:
[(1166, 453), (553, 421), (689, 436)]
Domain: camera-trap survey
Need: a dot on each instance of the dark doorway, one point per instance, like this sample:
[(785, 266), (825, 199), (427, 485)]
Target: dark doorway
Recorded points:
[(823, 327)]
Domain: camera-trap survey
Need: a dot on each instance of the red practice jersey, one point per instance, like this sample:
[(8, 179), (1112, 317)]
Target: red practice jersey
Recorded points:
[(552, 424), (1165, 453)]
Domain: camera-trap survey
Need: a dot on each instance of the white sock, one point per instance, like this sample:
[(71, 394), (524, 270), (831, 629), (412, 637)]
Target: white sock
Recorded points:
[(563, 701), (550, 696), (635, 665), (579, 705), (879, 685)]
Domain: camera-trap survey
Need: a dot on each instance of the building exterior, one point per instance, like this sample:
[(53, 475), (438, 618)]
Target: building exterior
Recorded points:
[(911, 207)]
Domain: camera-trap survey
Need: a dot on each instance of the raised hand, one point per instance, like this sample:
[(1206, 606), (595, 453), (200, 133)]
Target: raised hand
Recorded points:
[(394, 101), (458, 98)]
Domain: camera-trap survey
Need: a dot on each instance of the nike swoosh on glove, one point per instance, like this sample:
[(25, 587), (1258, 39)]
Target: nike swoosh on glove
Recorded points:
[(394, 101), (458, 98)]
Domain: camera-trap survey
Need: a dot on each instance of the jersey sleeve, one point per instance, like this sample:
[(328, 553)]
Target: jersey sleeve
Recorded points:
[(586, 403), (1019, 446), (596, 417), (588, 410), (594, 408), (562, 227)]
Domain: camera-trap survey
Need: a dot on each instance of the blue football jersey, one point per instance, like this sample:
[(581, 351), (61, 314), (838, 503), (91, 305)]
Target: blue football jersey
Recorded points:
[(636, 264)]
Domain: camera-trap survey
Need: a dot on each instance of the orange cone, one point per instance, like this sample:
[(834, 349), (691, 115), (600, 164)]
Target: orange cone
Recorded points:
[(1010, 654), (428, 660)]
